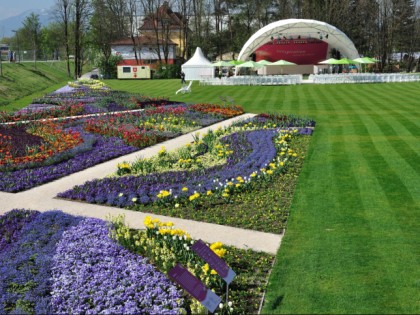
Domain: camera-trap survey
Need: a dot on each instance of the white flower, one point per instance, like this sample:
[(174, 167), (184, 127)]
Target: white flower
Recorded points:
[(230, 303), (221, 305)]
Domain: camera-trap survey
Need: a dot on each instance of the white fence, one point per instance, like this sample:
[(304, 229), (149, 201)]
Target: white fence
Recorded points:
[(363, 78), (254, 80)]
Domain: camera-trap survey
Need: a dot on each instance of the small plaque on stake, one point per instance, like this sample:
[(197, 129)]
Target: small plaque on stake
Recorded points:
[(195, 287), (214, 261)]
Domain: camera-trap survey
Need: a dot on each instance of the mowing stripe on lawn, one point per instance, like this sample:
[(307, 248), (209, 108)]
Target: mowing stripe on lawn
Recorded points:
[(390, 236), (357, 206)]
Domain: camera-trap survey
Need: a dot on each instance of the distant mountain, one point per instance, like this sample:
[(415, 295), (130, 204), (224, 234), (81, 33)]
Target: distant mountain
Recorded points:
[(15, 22)]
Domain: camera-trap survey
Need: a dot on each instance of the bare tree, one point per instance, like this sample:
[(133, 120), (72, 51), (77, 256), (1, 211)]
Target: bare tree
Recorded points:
[(81, 13), (63, 16), (132, 9), (184, 8)]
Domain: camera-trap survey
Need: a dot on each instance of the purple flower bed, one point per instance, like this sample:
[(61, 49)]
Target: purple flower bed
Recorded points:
[(25, 278), (55, 263), (92, 274), (11, 225), (104, 149), (252, 150), (34, 108)]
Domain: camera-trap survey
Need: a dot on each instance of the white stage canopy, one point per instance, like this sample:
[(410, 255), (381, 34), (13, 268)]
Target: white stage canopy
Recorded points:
[(198, 67), (304, 28)]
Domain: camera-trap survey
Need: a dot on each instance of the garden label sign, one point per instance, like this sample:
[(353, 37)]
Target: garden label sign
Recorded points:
[(195, 287), (214, 261)]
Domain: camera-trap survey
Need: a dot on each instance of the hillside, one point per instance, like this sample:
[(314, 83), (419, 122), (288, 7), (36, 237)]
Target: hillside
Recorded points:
[(21, 80)]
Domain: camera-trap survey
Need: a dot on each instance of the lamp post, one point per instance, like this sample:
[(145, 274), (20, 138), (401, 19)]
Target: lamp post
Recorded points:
[(17, 41)]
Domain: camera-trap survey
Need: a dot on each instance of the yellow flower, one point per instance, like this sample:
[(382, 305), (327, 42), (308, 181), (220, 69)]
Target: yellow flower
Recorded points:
[(225, 195), (194, 196), (162, 151), (184, 188), (216, 245), (206, 268), (220, 252), (209, 193), (269, 172)]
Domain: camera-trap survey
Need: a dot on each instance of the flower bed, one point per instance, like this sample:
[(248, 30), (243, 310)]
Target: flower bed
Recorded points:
[(34, 143), (57, 263), (30, 154), (255, 155), (165, 246), (81, 98)]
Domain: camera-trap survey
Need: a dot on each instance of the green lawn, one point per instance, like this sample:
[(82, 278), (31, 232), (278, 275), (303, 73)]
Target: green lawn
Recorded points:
[(21, 82), (352, 243)]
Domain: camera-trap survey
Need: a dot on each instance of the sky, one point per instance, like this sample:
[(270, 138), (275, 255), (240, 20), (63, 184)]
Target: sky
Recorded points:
[(10, 8)]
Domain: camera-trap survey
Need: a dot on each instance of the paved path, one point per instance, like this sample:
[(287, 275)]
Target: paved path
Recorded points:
[(42, 198)]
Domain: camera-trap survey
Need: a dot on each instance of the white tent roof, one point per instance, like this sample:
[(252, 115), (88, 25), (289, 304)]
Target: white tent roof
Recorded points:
[(197, 67), (305, 28), (198, 59)]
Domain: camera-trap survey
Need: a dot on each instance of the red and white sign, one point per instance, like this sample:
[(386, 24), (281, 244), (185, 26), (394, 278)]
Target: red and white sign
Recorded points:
[(134, 69)]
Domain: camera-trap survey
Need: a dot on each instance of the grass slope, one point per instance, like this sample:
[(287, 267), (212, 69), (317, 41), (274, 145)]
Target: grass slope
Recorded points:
[(21, 82), (352, 240), (351, 244)]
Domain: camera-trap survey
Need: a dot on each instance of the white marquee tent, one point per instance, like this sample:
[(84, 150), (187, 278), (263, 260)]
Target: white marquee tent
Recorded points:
[(197, 67), (300, 27)]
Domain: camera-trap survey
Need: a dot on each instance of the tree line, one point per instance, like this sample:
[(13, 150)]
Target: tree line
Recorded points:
[(85, 29)]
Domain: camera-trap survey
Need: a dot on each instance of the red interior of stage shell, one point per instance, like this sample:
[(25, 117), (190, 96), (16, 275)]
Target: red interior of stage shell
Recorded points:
[(300, 51)]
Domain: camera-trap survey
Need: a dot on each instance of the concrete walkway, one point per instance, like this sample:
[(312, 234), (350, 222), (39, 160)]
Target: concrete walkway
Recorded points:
[(42, 198)]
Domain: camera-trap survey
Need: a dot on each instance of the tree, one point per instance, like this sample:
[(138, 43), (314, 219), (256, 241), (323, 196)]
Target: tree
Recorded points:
[(104, 30), (132, 13), (63, 11), (81, 13), (52, 40), (32, 31)]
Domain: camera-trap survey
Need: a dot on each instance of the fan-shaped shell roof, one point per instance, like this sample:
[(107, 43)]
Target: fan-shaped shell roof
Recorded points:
[(304, 28)]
